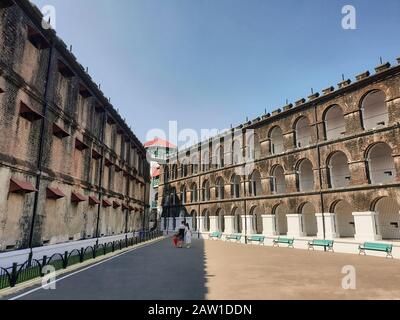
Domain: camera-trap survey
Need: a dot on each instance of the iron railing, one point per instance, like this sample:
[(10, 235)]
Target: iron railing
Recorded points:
[(31, 269)]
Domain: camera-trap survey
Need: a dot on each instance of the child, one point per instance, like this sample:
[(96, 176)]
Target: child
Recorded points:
[(175, 240)]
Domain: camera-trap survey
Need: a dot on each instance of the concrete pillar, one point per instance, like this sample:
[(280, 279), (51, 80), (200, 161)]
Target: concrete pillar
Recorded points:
[(200, 225), (213, 224), (269, 225), (170, 224), (330, 225), (294, 223), (229, 224), (247, 225), (366, 229)]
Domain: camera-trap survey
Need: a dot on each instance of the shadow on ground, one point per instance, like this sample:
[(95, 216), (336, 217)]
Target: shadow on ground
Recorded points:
[(157, 271)]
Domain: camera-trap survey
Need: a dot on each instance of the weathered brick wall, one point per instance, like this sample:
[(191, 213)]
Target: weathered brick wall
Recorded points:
[(355, 143), (31, 75)]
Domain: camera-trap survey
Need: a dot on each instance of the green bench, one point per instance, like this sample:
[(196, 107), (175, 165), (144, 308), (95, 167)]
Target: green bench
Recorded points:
[(282, 240), (383, 247), (234, 236), (327, 244), (215, 235), (256, 238)]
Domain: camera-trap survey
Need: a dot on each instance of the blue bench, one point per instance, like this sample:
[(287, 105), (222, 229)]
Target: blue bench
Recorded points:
[(215, 235), (383, 247), (282, 240), (234, 236), (327, 244), (256, 238)]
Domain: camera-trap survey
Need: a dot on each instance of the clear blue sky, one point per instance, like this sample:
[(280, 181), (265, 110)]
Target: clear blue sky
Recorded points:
[(211, 63)]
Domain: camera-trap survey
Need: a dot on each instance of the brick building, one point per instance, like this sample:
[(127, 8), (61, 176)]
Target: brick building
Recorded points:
[(328, 166), (70, 167)]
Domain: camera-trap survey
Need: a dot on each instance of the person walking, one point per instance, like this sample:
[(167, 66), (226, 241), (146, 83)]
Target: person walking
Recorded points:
[(181, 232), (188, 236)]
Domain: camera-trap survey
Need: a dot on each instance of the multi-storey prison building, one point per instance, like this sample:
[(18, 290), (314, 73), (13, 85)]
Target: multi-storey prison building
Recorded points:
[(70, 167), (326, 167)]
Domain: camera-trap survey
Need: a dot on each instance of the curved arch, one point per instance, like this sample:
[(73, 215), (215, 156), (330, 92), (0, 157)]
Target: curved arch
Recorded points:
[(305, 175), (257, 220), (205, 160), (280, 212), (206, 215), (345, 226), (220, 188), (183, 193), (193, 192), (277, 142), (302, 131), (236, 152), (339, 175), (193, 213), (255, 185), (235, 186), (253, 146), (219, 156), (388, 217), (381, 166), (206, 190), (374, 110), (308, 218), (220, 214), (278, 181), (334, 123), (237, 214)]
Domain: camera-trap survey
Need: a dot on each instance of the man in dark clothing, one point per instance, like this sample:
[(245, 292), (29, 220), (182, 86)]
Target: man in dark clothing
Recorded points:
[(181, 232)]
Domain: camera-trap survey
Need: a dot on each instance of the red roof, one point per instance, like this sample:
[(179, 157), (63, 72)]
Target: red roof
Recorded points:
[(19, 186), (54, 193), (157, 142), (155, 172)]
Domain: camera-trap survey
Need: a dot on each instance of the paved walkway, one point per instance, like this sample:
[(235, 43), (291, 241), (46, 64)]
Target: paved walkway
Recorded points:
[(220, 270)]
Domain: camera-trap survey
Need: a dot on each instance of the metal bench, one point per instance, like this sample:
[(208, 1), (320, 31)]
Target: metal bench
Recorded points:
[(383, 247), (234, 236), (215, 235), (282, 240), (256, 238), (327, 244)]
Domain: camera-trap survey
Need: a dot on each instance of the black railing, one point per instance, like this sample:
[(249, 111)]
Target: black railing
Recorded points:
[(31, 269)]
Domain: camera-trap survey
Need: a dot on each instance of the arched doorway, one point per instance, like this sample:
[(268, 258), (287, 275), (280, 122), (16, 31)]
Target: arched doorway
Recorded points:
[(237, 225), (220, 220), (309, 219), (388, 219), (280, 212), (257, 220), (345, 227)]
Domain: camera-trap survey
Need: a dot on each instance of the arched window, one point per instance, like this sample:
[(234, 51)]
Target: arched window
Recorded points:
[(237, 222), (219, 157), (183, 194), (339, 171), (220, 220), (173, 196), (309, 220), (257, 220), (334, 123), (280, 213), (374, 110), (235, 186), (166, 174), (205, 160), (206, 191), (206, 215), (388, 217), (236, 153), (344, 219), (277, 145), (253, 147), (305, 176), (193, 193), (220, 188), (195, 164), (255, 186), (381, 165), (194, 220), (302, 132), (278, 183), (174, 172)]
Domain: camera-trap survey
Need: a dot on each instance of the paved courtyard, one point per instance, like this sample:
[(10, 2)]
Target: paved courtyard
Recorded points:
[(220, 270)]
